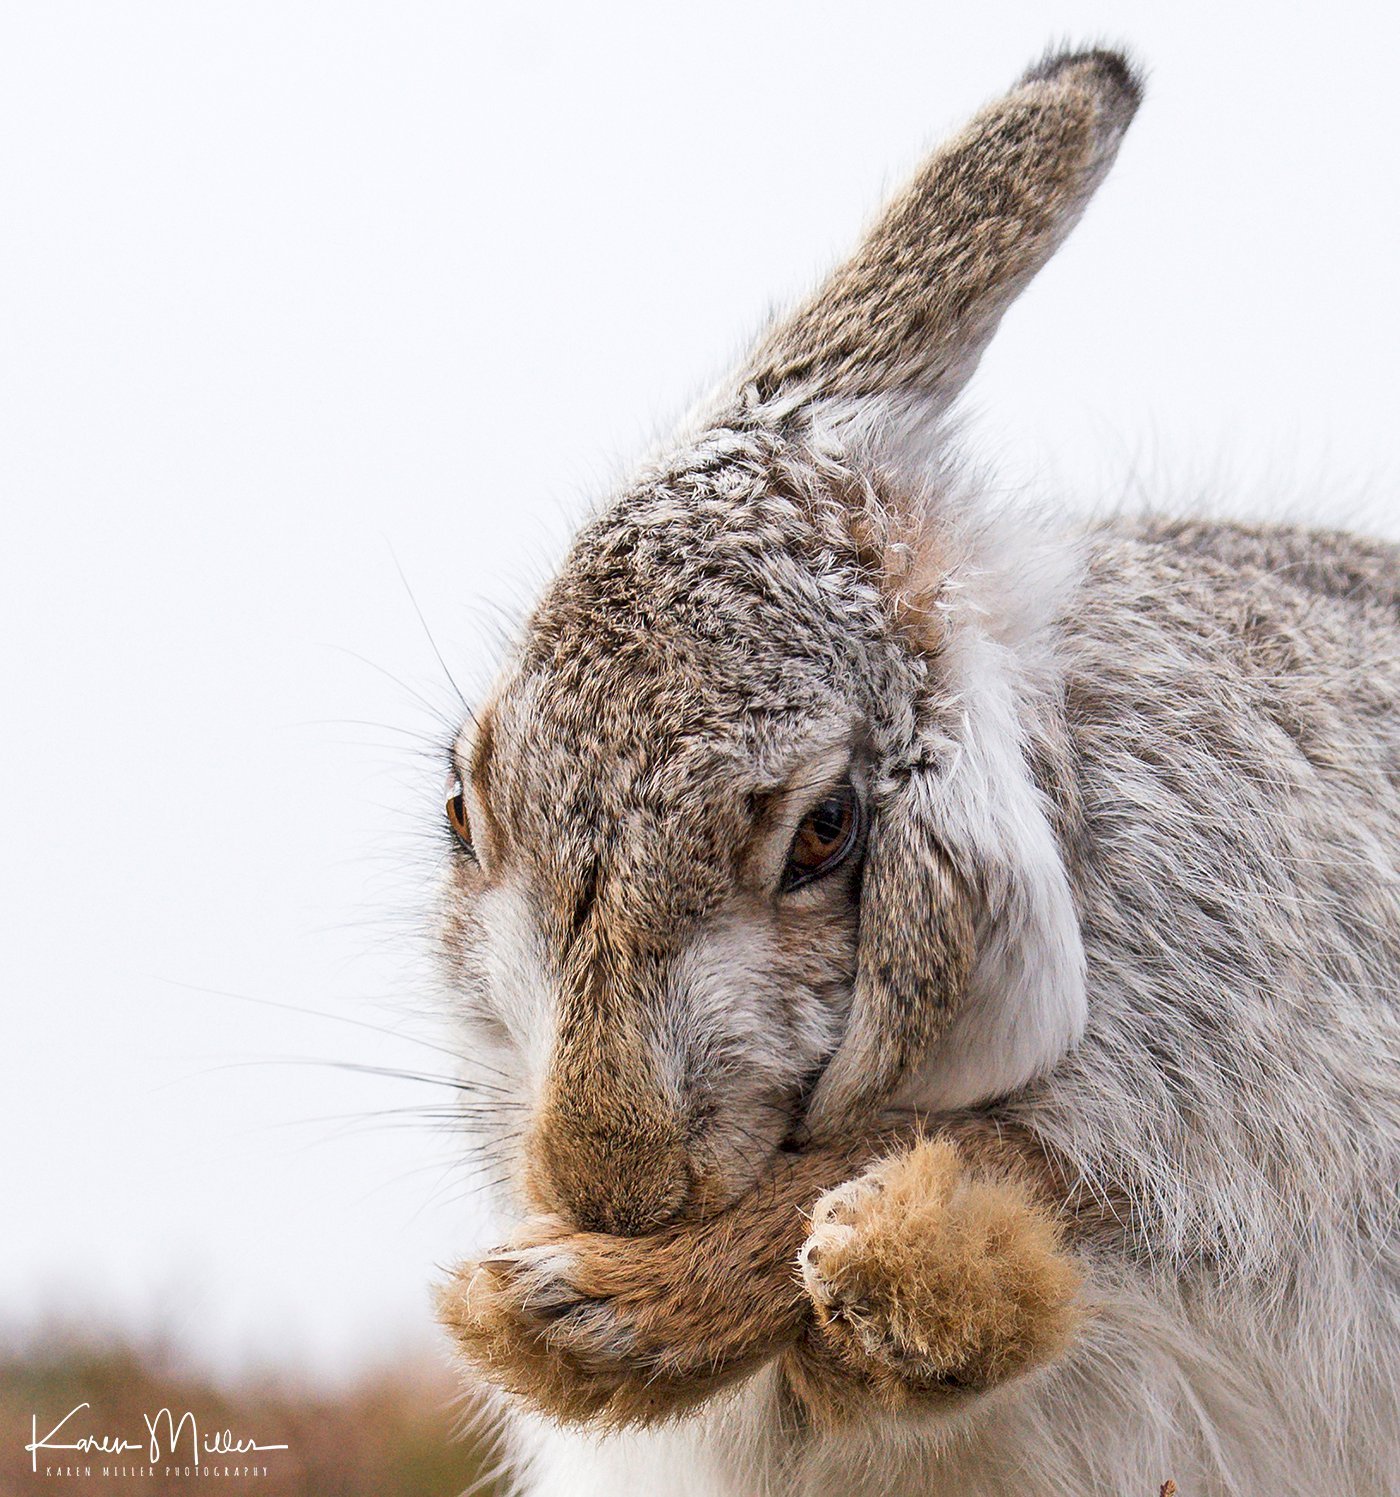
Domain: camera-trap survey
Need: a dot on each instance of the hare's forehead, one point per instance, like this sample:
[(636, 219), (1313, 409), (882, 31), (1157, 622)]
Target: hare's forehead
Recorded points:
[(684, 649), (710, 576), (556, 744), (656, 735)]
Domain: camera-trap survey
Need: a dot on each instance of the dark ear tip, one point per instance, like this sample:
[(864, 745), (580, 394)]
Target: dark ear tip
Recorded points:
[(1106, 73)]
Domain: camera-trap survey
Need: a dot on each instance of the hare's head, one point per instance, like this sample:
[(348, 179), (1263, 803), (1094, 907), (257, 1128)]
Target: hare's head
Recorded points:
[(746, 825)]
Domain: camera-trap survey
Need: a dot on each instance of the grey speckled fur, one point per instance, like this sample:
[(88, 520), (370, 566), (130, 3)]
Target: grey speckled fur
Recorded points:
[(1132, 882)]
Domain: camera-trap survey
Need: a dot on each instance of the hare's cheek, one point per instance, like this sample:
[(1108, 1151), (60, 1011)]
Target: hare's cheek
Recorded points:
[(504, 978), (773, 980), (754, 1020)]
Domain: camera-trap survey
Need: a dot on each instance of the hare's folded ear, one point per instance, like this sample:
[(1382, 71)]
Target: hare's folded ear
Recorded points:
[(910, 313), (915, 950)]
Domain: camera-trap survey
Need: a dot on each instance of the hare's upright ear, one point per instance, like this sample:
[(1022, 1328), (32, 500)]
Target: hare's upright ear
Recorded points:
[(910, 313)]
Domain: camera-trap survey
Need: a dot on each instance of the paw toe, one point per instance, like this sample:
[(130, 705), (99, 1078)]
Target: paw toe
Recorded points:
[(845, 1203), (821, 1250), (930, 1281)]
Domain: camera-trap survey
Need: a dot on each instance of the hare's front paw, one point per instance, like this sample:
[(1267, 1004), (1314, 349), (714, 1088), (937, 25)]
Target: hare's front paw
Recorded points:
[(928, 1281), (523, 1317), (548, 1321), (585, 1326)]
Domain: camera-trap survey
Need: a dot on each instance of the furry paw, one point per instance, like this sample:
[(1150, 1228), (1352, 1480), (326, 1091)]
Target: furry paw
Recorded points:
[(538, 1319), (583, 1326), (589, 1327), (928, 1281)]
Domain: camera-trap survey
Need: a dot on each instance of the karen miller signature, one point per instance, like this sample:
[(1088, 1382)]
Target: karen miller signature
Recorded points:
[(166, 1437)]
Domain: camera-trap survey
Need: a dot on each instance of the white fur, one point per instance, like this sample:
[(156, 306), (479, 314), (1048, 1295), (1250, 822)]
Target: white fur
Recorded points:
[(1155, 1389), (1025, 1004), (523, 996), (1229, 1105)]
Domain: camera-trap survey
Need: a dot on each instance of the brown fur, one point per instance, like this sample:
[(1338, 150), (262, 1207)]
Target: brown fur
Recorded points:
[(606, 1149), (930, 1281), (950, 1279), (687, 1309), (1124, 885), (939, 1271)]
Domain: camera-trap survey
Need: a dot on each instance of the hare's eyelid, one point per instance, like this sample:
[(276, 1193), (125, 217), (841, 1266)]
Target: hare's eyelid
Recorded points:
[(458, 775), (469, 752), (799, 800), (785, 808), (465, 769)]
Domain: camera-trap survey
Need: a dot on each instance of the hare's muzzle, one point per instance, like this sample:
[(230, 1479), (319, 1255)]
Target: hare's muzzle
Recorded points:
[(609, 1161), (608, 1144)]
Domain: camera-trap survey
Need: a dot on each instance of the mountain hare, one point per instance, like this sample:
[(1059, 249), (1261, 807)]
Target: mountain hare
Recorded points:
[(933, 972)]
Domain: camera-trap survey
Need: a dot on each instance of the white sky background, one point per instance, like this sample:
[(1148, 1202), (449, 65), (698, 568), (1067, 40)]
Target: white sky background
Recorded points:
[(290, 290)]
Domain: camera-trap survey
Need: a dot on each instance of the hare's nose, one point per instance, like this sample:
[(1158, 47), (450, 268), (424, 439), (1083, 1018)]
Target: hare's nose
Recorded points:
[(608, 1145), (627, 1175)]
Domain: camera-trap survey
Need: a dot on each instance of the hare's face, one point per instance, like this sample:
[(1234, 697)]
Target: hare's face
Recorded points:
[(742, 803), (668, 798)]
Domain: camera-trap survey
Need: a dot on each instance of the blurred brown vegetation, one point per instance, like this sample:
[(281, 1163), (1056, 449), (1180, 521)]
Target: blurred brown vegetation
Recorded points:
[(395, 1432)]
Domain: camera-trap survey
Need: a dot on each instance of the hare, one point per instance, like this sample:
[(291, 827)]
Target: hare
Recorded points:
[(943, 961)]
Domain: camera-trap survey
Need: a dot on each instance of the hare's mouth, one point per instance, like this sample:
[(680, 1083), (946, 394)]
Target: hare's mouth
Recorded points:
[(603, 1173)]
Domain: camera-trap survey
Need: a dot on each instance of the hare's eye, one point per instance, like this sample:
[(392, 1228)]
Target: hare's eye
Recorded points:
[(826, 838), (457, 817)]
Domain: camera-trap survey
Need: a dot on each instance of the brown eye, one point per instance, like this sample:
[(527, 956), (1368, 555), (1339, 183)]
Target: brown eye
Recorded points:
[(457, 817), (825, 839)]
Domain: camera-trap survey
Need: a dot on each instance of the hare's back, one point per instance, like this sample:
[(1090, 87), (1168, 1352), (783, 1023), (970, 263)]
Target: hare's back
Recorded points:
[(1250, 643), (1233, 697), (1336, 564)]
